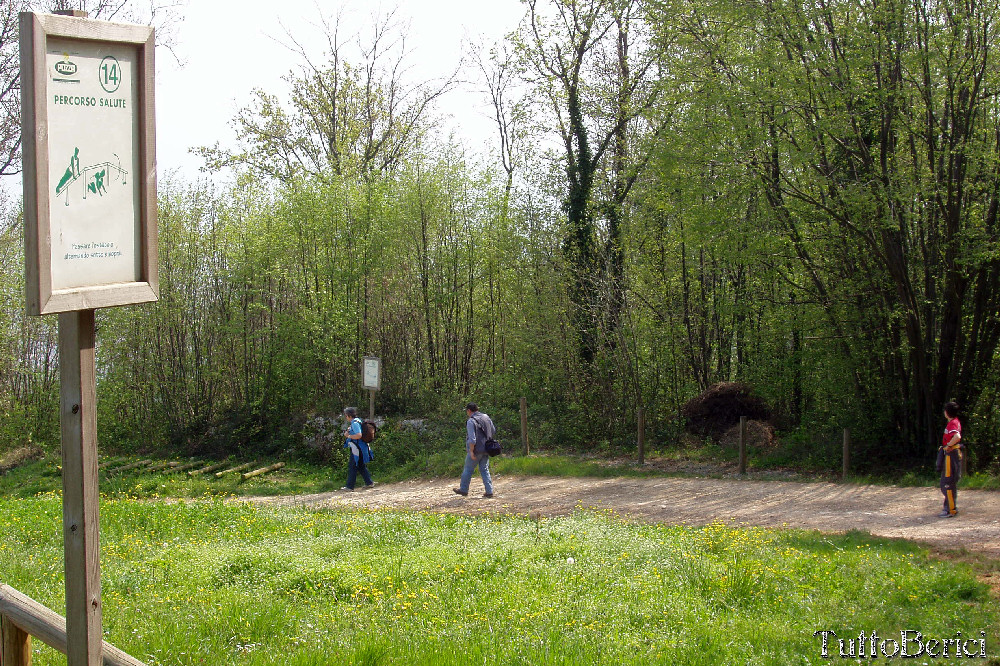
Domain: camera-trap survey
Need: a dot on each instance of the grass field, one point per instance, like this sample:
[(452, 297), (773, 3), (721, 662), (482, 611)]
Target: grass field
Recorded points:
[(221, 582)]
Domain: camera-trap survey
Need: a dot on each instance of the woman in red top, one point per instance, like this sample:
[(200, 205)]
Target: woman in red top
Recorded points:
[(949, 460)]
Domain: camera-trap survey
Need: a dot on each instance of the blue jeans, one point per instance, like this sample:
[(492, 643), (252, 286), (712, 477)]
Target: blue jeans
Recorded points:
[(352, 472), (484, 470)]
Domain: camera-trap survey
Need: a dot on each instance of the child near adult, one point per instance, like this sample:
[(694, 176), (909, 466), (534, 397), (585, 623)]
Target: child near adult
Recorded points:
[(949, 460), (361, 453)]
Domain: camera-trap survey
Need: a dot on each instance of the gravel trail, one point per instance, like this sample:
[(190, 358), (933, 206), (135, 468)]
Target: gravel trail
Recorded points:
[(885, 511)]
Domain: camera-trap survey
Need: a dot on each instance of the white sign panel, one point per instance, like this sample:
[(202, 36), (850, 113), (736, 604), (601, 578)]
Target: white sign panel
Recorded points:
[(93, 161), (371, 374)]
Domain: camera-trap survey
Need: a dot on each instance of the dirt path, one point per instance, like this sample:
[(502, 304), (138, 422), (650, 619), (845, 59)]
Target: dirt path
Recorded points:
[(909, 513)]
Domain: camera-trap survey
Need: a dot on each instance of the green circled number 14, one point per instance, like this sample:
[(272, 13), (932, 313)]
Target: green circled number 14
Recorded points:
[(110, 74)]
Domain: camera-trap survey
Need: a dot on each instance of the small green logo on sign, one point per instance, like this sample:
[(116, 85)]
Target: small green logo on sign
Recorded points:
[(110, 74), (66, 68)]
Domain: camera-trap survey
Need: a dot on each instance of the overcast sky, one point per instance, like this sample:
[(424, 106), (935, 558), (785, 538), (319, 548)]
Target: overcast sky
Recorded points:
[(227, 48)]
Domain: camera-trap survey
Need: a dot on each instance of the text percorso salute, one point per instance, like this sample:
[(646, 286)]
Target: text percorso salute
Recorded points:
[(77, 100)]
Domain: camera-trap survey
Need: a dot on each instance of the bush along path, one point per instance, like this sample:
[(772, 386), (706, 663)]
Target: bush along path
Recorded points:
[(909, 513)]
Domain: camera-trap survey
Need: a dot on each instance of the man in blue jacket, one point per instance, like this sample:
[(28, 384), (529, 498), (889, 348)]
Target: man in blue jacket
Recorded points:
[(479, 428), (361, 453)]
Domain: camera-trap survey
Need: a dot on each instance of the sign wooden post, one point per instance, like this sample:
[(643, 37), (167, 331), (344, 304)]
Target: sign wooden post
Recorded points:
[(78, 420), (88, 145)]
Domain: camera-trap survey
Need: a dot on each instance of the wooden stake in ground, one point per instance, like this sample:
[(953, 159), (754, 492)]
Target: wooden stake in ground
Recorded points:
[(743, 445), (642, 435), (847, 454), (524, 425), (78, 417)]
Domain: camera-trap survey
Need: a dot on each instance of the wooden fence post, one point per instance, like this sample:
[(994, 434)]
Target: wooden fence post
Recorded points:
[(847, 453), (642, 435), (743, 445), (15, 644), (524, 425)]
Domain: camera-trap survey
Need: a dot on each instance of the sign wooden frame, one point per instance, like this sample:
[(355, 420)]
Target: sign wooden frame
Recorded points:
[(41, 297), (366, 364)]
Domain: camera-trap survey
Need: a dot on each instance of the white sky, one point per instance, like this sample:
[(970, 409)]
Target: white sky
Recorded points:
[(228, 48)]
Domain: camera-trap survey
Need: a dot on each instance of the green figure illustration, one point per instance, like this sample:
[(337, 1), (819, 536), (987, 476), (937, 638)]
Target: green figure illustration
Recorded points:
[(94, 176), (97, 187), (72, 173)]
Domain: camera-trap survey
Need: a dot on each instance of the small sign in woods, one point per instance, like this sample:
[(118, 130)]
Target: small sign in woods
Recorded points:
[(371, 374)]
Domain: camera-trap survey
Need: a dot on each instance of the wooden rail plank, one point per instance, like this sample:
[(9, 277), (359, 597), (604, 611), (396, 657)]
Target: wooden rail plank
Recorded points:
[(210, 468), (262, 470), (186, 466), (238, 468), (161, 466), (49, 627), (125, 468)]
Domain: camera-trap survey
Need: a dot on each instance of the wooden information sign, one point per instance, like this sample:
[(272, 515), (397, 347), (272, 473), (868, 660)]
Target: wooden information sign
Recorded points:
[(88, 144), (371, 374)]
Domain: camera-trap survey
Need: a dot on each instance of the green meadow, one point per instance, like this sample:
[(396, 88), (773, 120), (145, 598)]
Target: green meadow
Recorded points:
[(217, 581)]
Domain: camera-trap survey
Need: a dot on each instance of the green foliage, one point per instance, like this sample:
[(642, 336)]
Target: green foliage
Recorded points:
[(800, 197)]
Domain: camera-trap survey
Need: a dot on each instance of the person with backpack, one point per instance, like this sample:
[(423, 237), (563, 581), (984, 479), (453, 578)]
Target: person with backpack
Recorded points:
[(479, 429), (361, 453)]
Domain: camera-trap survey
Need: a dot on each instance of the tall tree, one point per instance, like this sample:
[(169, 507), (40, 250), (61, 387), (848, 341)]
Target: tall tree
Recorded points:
[(592, 66), (346, 118), (874, 134)]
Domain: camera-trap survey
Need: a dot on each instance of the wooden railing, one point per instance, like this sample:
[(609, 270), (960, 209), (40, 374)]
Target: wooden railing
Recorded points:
[(22, 617)]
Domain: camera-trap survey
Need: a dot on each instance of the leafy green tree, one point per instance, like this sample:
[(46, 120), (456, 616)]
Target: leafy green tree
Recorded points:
[(871, 131), (592, 66), (345, 118)]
